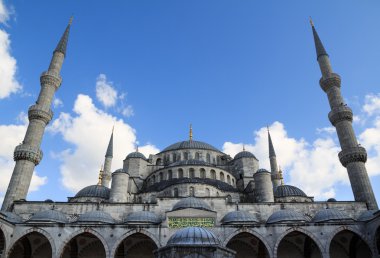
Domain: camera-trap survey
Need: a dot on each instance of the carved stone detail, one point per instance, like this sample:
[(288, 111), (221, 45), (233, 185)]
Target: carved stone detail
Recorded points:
[(332, 81), (35, 112), (338, 114), (51, 78), (26, 152), (354, 154)]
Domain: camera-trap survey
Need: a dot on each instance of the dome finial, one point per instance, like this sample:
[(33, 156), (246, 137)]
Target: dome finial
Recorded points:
[(191, 133), (243, 147), (281, 177), (71, 19), (311, 21), (100, 175), (137, 148)]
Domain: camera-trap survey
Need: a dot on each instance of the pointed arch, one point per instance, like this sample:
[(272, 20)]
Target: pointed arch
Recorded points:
[(3, 241)]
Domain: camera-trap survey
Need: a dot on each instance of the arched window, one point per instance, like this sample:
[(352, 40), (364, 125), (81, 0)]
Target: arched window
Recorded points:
[(233, 181), (203, 173), (178, 156), (170, 175), (175, 192), (229, 199), (158, 162), (197, 155), (191, 191), (180, 173), (161, 176), (154, 179), (185, 155), (208, 157), (228, 179), (213, 174), (174, 157), (191, 173), (207, 192), (222, 176)]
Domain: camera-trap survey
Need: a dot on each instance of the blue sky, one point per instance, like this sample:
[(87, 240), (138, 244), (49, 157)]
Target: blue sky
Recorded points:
[(228, 67)]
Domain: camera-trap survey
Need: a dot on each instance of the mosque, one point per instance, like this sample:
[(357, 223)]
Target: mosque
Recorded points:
[(189, 200)]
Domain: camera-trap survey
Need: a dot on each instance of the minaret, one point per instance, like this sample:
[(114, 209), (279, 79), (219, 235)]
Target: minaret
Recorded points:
[(276, 177), (28, 154), (106, 176), (352, 156)]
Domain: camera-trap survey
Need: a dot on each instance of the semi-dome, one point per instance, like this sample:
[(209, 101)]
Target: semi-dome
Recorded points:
[(191, 202), (288, 190), (285, 216), (94, 191), (367, 215), (330, 215), (96, 216), (244, 154), (142, 217), (190, 145), (136, 154), (11, 217), (189, 162), (239, 217), (193, 236), (49, 216)]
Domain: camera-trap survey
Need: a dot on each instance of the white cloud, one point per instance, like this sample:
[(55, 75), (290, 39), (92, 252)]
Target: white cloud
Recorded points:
[(4, 12), (128, 111), (372, 104), (12, 135), (105, 91), (88, 130), (57, 103)]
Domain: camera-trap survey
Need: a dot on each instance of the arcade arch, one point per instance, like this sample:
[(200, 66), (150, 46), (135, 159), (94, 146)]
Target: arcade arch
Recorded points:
[(2, 243), (347, 244), (32, 245), (137, 245), (84, 245), (247, 245), (298, 245)]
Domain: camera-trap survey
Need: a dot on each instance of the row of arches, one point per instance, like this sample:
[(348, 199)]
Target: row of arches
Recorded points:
[(294, 244), (187, 155), (191, 173)]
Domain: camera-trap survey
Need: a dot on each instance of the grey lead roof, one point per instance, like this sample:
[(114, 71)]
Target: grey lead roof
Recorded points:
[(11, 217), (320, 49), (62, 44), (284, 216), (272, 153), (193, 236), (50, 216), (330, 215), (109, 152), (142, 217), (96, 216), (94, 191), (191, 202), (190, 145), (288, 190), (136, 154), (239, 217), (244, 154)]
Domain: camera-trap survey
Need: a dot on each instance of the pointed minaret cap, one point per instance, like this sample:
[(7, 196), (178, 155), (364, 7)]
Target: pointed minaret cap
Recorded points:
[(320, 49), (62, 44), (109, 152), (191, 133), (272, 153)]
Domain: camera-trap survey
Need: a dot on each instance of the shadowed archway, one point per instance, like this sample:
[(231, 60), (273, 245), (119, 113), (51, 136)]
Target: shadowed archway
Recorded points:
[(2, 243), (32, 245), (136, 245), (247, 245), (347, 244), (377, 239), (298, 245), (85, 245)]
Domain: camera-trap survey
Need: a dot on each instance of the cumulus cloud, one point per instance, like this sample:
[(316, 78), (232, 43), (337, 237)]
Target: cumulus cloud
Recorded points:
[(88, 130), (127, 111), (12, 135), (105, 92), (57, 103)]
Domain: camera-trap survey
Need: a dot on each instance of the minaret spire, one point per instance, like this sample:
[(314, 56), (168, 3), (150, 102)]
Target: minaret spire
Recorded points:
[(106, 175), (191, 133), (276, 177), (352, 156), (28, 154)]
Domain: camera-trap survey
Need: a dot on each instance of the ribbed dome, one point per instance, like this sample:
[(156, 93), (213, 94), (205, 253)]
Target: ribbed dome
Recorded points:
[(190, 145), (262, 170), (191, 202), (244, 154), (11, 217), (49, 216), (331, 200), (288, 190), (239, 217), (136, 154), (96, 216), (367, 215), (142, 217), (94, 191), (189, 162), (284, 216), (193, 236), (330, 215)]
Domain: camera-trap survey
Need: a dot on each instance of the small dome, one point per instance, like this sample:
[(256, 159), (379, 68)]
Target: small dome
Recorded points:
[(49, 201), (193, 236), (239, 217), (262, 170), (367, 215), (11, 217), (189, 162), (190, 145), (284, 216), (330, 215), (331, 200), (288, 190), (96, 216), (49, 216), (244, 154), (191, 202), (94, 191), (136, 154), (142, 217)]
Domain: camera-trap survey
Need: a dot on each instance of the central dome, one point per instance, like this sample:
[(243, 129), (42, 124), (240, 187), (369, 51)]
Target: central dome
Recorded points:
[(190, 145)]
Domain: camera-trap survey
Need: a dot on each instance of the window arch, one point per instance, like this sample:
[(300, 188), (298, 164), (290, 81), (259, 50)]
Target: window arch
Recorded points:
[(154, 179), (175, 192), (170, 175), (202, 173), (185, 155), (174, 157), (221, 176), (197, 155), (161, 176), (228, 179), (191, 173), (180, 173), (159, 162), (208, 192), (208, 157), (233, 182), (213, 174), (191, 191)]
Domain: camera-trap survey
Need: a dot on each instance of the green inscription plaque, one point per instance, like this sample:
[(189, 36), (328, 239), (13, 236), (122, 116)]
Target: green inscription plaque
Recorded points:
[(182, 222)]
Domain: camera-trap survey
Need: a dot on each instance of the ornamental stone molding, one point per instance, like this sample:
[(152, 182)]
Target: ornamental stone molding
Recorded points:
[(333, 80), (35, 112), (353, 154), (339, 114), (51, 78), (26, 152)]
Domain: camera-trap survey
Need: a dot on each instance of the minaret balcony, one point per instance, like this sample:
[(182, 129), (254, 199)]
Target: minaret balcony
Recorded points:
[(26, 152), (353, 154), (333, 80), (51, 78), (341, 113), (36, 112)]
